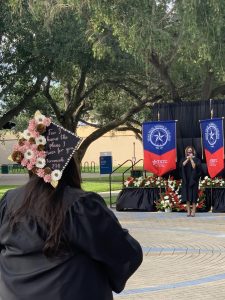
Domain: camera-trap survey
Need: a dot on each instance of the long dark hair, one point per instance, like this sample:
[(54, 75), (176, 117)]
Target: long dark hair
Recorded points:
[(45, 204)]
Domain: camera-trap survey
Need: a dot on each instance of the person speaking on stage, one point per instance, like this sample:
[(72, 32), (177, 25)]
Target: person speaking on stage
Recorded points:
[(190, 172)]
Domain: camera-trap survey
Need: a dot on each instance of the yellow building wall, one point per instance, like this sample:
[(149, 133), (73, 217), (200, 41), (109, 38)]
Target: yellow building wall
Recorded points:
[(123, 145)]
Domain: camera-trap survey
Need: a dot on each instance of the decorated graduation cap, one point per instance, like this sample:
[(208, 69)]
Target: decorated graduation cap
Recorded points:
[(45, 148)]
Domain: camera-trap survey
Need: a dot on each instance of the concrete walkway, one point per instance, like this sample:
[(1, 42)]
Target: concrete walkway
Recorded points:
[(184, 258), (13, 179), (18, 179)]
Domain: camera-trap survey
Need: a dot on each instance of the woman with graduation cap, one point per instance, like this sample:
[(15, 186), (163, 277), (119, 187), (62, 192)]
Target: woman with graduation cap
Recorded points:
[(57, 241)]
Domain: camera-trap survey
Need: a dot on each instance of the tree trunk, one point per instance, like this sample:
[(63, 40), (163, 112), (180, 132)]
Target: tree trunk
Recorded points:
[(207, 86), (163, 70)]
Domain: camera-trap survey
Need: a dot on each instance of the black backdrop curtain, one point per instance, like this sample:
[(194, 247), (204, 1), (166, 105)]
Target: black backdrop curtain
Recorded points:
[(188, 115)]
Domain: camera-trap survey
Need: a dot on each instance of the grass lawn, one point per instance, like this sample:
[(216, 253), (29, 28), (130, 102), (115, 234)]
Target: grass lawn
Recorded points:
[(86, 169), (94, 186), (5, 188), (88, 187), (107, 200), (117, 178)]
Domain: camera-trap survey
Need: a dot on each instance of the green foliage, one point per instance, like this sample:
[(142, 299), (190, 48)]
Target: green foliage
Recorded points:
[(187, 35), (100, 58)]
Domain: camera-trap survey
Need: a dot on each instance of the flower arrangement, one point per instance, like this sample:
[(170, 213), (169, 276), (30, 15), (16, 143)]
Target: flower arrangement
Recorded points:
[(167, 200), (148, 182), (208, 182), (171, 199), (30, 150), (155, 182), (173, 184), (133, 182), (201, 200)]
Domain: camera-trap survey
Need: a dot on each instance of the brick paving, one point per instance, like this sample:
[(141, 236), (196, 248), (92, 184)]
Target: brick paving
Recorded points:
[(184, 258)]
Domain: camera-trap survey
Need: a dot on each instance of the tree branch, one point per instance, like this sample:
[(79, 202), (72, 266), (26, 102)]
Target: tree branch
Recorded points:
[(17, 109), (79, 110), (140, 84), (130, 92), (163, 70), (220, 90), (67, 94), (91, 90), (129, 127), (51, 101), (112, 125), (75, 102), (90, 124), (207, 85)]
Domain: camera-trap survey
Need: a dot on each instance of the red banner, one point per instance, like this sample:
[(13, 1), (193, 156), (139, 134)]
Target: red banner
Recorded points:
[(160, 164), (215, 162), (212, 138)]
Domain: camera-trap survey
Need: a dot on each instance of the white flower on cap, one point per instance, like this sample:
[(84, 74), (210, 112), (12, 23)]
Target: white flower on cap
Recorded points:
[(41, 140), (56, 174), (40, 163), (39, 118), (26, 134), (28, 154)]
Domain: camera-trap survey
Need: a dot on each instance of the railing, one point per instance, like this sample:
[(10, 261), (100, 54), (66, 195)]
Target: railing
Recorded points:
[(110, 178), (92, 166), (132, 168), (88, 168)]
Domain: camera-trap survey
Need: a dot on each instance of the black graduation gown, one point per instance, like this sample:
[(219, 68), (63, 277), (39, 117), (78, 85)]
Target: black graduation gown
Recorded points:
[(190, 180), (103, 255)]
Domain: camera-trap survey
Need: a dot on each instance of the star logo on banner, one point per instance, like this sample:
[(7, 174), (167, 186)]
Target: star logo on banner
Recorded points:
[(212, 134), (158, 137)]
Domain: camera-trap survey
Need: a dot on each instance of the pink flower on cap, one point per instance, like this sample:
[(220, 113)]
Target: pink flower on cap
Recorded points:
[(24, 162), (33, 160), (41, 172), (41, 154), (33, 147), (47, 178), (32, 125), (30, 166)]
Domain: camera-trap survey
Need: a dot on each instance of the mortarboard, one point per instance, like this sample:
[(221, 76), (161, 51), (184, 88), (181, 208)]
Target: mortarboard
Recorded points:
[(45, 148)]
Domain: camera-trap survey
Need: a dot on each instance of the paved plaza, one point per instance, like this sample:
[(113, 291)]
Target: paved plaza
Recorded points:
[(184, 258)]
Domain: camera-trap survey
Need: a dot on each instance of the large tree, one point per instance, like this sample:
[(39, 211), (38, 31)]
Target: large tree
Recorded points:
[(108, 60), (79, 84), (182, 40)]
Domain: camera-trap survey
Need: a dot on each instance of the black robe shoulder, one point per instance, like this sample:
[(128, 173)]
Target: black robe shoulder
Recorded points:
[(103, 256)]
